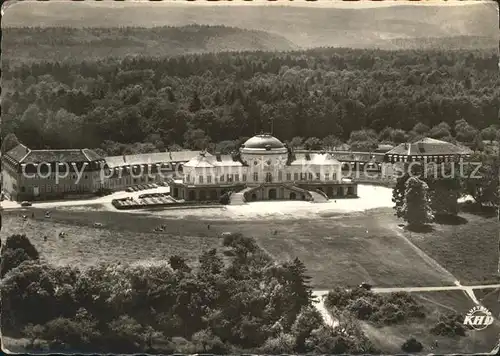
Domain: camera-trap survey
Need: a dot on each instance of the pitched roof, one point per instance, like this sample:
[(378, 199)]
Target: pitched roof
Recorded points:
[(314, 159), (22, 154), (350, 156), (18, 153), (150, 158), (359, 156), (429, 146), (209, 161)]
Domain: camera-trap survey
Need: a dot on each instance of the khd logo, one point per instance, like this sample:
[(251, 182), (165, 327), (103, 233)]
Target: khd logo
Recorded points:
[(478, 318)]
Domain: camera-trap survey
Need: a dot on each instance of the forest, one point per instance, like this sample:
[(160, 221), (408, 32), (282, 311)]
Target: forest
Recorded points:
[(327, 95), (237, 300)]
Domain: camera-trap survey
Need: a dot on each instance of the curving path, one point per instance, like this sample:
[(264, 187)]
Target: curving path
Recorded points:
[(320, 305)]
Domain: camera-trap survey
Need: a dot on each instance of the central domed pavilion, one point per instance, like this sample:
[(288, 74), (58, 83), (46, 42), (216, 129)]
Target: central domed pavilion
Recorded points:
[(263, 142), (264, 168)]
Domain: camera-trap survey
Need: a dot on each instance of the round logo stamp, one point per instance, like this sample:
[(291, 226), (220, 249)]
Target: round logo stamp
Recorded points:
[(478, 318)]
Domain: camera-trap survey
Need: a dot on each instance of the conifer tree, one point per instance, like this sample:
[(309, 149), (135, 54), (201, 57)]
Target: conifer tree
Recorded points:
[(416, 207)]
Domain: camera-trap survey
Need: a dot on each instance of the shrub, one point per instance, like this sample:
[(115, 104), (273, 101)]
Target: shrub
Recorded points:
[(21, 241), (282, 344), (15, 251), (225, 199), (449, 325), (361, 308), (178, 263), (241, 244), (182, 346), (27, 294), (33, 333), (389, 313), (67, 334), (412, 345), (12, 259), (308, 320), (205, 341), (341, 340), (125, 333), (382, 309)]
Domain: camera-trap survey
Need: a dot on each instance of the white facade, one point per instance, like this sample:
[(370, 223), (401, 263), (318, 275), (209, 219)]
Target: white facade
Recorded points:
[(262, 159)]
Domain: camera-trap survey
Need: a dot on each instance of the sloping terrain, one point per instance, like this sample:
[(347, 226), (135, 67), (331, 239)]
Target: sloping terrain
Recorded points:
[(314, 26), (55, 43)]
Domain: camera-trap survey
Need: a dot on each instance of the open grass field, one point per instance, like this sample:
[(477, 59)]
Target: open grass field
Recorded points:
[(341, 249), (468, 250), (490, 298), (391, 338)]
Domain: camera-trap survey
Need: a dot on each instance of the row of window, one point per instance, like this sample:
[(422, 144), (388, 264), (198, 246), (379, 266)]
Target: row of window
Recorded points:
[(52, 176), (424, 158), (60, 188), (236, 177)]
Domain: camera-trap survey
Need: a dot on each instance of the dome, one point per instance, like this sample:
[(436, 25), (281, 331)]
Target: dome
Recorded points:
[(263, 141)]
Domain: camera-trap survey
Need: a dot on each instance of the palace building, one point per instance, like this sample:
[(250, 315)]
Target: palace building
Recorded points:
[(427, 150), (263, 169), (50, 174), (126, 170), (70, 173)]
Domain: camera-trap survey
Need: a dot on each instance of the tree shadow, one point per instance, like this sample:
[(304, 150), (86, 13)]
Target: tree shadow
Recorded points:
[(477, 209), (448, 219), (426, 228)]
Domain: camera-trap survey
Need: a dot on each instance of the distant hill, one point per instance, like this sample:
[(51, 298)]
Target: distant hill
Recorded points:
[(455, 42), (57, 43), (306, 27)]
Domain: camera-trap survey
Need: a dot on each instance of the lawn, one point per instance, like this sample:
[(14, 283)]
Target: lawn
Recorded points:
[(468, 250), (121, 239), (391, 338), (490, 298), (341, 249)]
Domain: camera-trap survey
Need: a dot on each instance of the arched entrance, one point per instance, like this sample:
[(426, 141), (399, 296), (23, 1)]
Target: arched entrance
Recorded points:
[(254, 197), (303, 197), (176, 192), (192, 195), (340, 191), (330, 192), (202, 195), (272, 194), (350, 191), (213, 195), (293, 196)]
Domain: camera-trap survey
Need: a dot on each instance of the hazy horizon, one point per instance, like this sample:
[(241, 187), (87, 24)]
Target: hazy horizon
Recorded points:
[(306, 25)]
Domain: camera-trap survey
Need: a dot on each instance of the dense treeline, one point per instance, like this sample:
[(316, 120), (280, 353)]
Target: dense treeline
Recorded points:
[(196, 100), (235, 300)]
